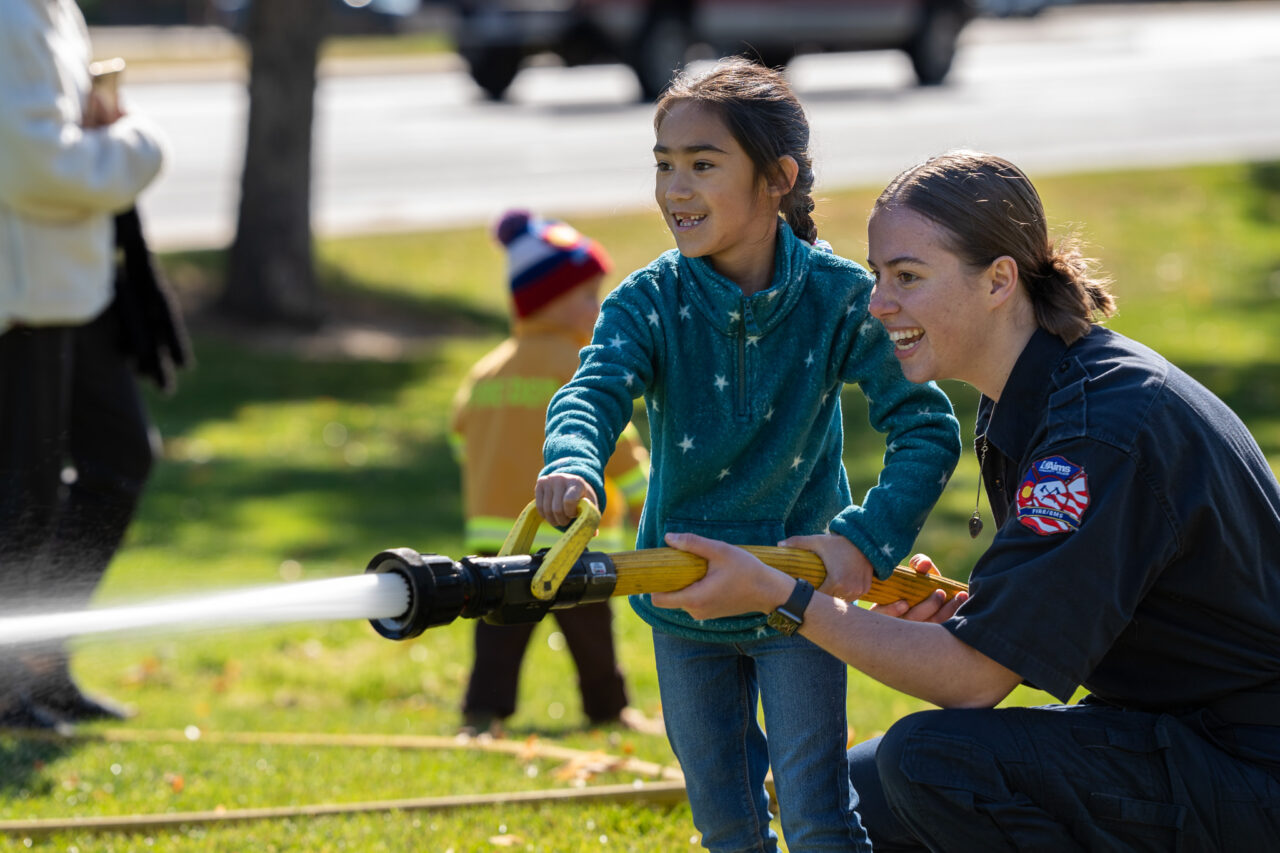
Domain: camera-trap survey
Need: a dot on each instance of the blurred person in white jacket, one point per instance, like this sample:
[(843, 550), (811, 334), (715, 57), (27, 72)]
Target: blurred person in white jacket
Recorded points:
[(75, 446)]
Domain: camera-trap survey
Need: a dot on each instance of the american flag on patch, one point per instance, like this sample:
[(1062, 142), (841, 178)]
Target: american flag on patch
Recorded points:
[(1053, 496)]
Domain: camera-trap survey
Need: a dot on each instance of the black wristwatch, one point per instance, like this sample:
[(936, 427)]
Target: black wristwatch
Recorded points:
[(790, 616)]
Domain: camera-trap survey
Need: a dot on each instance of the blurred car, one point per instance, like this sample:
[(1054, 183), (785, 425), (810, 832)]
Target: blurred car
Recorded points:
[(378, 17), (657, 37), (1016, 8)]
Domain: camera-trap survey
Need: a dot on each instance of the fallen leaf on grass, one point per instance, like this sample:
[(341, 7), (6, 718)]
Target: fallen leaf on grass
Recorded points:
[(584, 768), (505, 840), (529, 751), (146, 670)]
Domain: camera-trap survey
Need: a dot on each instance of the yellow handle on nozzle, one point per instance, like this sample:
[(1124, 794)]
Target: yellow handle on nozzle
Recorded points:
[(560, 558)]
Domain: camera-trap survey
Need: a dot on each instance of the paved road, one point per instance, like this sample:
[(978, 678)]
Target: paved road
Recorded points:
[(1076, 88)]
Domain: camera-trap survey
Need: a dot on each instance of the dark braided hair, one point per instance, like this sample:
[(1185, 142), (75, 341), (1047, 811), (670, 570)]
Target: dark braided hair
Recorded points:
[(989, 208), (766, 119)]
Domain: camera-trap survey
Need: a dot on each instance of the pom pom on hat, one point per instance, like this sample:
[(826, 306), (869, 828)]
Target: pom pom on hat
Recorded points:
[(545, 259), (512, 223)]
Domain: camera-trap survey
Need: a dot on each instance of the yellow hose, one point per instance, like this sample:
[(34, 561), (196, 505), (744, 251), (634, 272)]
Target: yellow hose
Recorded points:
[(666, 569)]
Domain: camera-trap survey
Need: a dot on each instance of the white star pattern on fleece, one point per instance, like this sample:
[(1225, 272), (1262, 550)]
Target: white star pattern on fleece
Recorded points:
[(684, 312), (886, 550), (850, 309), (808, 359), (795, 463), (721, 383), (768, 416), (735, 316), (652, 317), (616, 342), (724, 472), (761, 630), (753, 340), (686, 444), (630, 378), (942, 481)]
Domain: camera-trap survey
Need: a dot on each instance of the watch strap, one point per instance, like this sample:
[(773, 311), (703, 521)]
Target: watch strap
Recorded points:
[(788, 617)]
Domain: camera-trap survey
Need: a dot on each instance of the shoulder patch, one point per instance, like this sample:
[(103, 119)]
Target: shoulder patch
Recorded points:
[(1053, 496)]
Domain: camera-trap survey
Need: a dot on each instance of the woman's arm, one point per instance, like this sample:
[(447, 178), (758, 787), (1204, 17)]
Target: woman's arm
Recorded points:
[(922, 659), (54, 169)]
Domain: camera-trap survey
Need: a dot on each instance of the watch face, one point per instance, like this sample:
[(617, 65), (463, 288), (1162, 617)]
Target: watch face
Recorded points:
[(781, 622)]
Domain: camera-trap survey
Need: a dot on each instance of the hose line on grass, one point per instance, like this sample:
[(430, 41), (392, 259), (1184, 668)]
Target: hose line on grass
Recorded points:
[(663, 784)]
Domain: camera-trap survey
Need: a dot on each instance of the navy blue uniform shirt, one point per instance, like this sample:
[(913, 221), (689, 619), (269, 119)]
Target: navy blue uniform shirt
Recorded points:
[(1138, 552)]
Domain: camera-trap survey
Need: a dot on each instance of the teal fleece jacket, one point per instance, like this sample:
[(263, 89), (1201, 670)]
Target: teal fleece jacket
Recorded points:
[(743, 398)]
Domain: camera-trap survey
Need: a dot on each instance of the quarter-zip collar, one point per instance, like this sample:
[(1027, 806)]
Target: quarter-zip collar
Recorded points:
[(722, 303)]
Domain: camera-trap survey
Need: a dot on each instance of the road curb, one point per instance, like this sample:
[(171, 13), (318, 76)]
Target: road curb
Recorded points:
[(194, 54)]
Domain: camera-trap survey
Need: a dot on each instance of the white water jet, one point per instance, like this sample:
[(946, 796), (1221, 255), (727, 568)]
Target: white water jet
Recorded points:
[(367, 596)]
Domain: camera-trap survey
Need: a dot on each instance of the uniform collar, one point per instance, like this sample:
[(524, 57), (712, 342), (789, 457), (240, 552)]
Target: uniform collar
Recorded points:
[(721, 301), (1025, 395)]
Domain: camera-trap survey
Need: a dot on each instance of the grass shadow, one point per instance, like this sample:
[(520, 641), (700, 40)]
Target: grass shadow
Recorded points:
[(23, 756)]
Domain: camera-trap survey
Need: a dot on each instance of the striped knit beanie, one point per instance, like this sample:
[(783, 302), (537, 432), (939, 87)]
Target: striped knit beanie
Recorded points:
[(546, 259)]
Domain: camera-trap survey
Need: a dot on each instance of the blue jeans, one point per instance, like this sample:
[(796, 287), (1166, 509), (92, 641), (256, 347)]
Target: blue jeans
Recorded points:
[(710, 693), (1065, 777)]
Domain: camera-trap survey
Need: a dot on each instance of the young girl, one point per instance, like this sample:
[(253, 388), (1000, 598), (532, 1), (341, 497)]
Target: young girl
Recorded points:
[(740, 343)]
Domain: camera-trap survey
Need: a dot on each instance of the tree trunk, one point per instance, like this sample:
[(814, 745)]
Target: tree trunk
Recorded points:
[(271, 271)]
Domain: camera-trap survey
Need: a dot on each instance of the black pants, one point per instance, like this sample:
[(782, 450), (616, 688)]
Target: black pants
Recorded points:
[(75, 452), (1061, 778), (588, 631)]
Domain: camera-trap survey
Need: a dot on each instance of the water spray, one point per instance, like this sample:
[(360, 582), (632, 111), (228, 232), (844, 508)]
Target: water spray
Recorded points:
[(358, 597)]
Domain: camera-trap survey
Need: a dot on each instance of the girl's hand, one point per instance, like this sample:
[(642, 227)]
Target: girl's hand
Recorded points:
[(736, 582), (557, 496), (849, 573), (935, 608)]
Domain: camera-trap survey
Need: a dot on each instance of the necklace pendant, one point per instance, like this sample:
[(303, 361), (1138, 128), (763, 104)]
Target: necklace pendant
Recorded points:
[(975, 525)]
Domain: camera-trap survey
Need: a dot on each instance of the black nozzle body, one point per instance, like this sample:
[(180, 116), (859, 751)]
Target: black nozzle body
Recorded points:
[(497, 589), (437, 591)]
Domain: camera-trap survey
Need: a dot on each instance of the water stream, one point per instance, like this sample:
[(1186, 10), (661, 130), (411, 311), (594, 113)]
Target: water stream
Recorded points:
[(367, 596)]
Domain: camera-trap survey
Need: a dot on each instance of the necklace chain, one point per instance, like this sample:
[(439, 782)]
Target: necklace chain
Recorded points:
[(975, 520)]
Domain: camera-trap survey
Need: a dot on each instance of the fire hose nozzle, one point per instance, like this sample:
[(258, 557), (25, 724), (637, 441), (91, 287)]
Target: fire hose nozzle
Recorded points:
[(437, 591), (497, 589)]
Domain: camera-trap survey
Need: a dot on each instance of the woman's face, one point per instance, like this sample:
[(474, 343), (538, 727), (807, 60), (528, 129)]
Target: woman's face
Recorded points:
[(927, 298)]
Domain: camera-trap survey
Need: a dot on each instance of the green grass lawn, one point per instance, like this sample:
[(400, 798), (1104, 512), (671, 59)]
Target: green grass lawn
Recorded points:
[(281, 466)]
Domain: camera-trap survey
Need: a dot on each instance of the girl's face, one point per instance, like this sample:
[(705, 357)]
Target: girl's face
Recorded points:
[(711, 197), (929, 300)]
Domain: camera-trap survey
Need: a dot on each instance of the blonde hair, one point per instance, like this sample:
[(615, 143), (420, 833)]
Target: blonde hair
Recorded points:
[(990, 208)]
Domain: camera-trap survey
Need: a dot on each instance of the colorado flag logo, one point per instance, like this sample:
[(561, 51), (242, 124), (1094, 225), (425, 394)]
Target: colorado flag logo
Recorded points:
[(1053, 497)]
